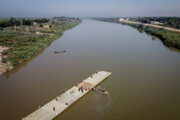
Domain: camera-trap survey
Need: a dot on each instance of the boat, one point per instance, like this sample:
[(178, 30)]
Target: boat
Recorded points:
[(60, 51), (101, 91)]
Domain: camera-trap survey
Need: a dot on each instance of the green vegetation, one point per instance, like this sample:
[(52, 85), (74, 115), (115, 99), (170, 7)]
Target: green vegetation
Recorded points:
[(21, 21), (169, 38), (41, 25), (173, 22), (114, 20), (23, 45)]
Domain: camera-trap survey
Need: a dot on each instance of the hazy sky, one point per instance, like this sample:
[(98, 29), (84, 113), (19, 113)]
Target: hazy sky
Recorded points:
[(84, 8)]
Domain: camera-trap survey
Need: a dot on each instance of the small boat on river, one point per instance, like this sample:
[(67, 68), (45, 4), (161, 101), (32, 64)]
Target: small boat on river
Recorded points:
[(101, 91), (60, 51)]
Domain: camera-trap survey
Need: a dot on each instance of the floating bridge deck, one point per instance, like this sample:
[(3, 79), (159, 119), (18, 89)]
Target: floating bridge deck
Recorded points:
[(55, 107)]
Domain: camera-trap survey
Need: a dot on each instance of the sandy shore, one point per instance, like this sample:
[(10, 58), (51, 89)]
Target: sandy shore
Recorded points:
[(4, 67)]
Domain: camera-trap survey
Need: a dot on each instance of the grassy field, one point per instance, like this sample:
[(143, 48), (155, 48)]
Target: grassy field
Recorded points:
[(23, 45)]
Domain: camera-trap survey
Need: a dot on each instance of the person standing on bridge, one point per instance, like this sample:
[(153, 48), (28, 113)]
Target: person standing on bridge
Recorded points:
[(82, 89)]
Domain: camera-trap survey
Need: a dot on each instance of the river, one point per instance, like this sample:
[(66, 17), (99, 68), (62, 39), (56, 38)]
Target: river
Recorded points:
[(144, 85)]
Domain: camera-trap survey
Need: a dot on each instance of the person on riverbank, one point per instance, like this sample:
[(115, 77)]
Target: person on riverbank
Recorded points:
[(81, 89)]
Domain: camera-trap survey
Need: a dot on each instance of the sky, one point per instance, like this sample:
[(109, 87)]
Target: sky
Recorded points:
[(89, 8)]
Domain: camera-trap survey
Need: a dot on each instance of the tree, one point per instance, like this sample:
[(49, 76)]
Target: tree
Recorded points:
[(27, 22), (12, 21), (41, 25), (4, 24)]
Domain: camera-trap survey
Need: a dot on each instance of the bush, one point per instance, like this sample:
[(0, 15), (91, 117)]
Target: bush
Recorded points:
[(4, 24), (5, 52), (4, 60), (40, 25)]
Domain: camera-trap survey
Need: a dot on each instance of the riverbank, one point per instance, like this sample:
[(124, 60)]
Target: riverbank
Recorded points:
[(150, 25), (145, 74), (4, 65), (169, 36), (22, 45)]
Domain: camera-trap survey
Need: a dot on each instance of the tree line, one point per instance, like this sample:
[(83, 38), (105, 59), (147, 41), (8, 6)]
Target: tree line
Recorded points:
[(173, 22), (21, 21)]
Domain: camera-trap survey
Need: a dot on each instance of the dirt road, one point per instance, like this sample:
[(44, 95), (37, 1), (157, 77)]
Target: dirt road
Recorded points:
[(151, 25)]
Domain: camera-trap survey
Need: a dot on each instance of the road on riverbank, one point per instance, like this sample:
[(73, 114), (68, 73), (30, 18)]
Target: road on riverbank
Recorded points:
[(150, 25)]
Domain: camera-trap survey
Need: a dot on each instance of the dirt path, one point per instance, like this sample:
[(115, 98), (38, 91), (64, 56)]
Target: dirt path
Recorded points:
[(4, 67), (151, 25)]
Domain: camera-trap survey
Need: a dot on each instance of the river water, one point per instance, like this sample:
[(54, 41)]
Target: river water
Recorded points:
[(144, 85)]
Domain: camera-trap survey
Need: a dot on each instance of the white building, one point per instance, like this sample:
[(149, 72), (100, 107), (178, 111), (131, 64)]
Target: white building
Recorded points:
[(34, 23), (156, 23), (46, 26), (121, 20)]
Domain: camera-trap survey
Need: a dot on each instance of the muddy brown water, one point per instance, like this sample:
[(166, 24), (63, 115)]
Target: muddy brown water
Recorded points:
[(145, 84)]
